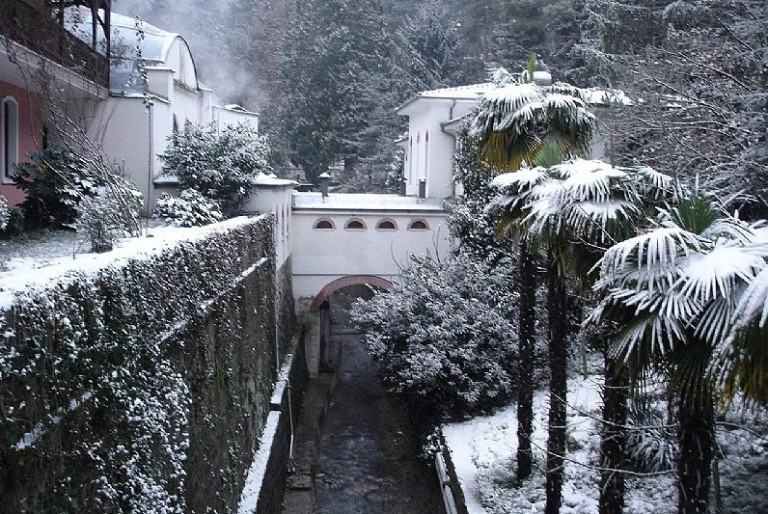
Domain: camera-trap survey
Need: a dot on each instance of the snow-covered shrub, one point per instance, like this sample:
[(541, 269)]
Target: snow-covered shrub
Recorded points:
[(189, 209), (108, 216), (54, 180), (220, 163), (444, 335), (5, 213)]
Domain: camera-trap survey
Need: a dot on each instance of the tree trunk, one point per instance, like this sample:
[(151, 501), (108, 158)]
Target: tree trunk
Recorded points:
[(613, 438), (526, 345), (557, 305), (696, 436)]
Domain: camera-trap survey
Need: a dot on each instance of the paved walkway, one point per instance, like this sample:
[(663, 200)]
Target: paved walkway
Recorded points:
[(366, 455)]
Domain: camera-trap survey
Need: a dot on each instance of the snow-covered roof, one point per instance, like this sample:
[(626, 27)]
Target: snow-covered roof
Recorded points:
[(468, 92), (156, 44), (601, 96), (364, 202), (265, 180)]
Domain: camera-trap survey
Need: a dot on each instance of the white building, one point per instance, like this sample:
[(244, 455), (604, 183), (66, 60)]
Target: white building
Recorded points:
[(133, 124)]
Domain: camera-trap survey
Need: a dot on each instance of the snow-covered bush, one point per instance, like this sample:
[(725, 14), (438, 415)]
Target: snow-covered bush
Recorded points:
[(5, 213), (54, 180), (444, 335), (220, 163), (190, 209), (108, 216)]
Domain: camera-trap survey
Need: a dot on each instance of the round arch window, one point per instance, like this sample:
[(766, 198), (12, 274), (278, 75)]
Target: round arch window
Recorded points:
[(324, 224), (355, 224), (418, 225), (387, 225)]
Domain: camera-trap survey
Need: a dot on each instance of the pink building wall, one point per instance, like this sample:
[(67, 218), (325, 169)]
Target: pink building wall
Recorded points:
[(30, 133)]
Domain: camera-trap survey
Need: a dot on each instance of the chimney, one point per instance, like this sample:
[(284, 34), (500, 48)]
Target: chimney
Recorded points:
[(324, 179), (422, 188)]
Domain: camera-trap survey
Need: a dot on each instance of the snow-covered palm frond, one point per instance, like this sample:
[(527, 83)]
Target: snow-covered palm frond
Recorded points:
[(588, 180), (719, 272), (649, 334), (752, 307), (655, 184), (730, 228), (524, 179), (659, 249), (592, 221)]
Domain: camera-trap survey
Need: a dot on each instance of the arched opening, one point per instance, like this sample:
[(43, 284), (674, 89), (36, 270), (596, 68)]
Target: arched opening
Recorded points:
[(387, 225), (324, 224), (355, 224), (418, 225), (333, 304)]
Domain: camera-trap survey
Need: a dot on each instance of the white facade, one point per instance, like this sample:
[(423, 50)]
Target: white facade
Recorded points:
[(361, 235), (429, 148), (133, 125)]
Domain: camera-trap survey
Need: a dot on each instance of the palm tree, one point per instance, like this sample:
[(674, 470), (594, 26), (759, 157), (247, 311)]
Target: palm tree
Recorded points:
[(514, 124), (571, 210), (691, 289)]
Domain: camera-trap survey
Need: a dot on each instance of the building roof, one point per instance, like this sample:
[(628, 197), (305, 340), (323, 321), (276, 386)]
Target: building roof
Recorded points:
[(365, 202), (264, 180), (156, 43), (468, 92)]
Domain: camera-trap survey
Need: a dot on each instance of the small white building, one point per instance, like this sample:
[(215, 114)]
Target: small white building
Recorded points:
[(133, 124), (429, 148)]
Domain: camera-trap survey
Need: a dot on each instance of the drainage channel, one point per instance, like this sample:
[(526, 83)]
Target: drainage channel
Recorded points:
[(360, 458)]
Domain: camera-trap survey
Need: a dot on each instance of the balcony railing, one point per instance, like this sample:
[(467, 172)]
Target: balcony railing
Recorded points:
[(38, 30)]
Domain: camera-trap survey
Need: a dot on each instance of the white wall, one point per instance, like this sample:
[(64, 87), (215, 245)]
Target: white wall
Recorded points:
[(227, 117), (433, 159), (121, 126), (321, 256), (276, 200)]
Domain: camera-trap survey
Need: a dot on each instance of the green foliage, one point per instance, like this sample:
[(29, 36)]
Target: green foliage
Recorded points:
[(220, 164), (55, 182), (443, 337)]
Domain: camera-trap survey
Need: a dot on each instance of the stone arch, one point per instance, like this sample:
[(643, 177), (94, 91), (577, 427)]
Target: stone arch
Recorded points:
[(351, 280)]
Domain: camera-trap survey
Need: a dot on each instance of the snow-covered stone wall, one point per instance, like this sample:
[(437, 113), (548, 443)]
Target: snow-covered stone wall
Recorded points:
[(143, 386)]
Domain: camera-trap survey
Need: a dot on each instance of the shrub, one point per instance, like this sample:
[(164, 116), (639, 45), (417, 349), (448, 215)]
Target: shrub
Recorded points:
[(443, 335), (190, 209), (5, 213), (105, 217), (54, 180), (220, 164)]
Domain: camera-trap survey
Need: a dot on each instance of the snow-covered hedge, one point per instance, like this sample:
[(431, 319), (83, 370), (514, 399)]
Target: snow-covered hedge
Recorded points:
[(143, 386), (444, 335)]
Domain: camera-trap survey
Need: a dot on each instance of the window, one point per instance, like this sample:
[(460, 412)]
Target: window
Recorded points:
[(9, 143), (418, 225), (426, 155), (324, 224), (175, 124), (355, 224), (386, 225)]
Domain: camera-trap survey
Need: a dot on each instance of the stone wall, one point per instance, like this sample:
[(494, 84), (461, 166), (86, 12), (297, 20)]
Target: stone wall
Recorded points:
[(143, 387)]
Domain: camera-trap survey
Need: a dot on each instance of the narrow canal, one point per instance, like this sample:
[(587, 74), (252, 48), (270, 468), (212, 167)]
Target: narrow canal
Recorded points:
[(365, 459)]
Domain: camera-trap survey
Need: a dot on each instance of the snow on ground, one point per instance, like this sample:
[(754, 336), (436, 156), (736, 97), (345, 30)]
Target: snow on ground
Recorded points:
[(37, 262), (483, 451)]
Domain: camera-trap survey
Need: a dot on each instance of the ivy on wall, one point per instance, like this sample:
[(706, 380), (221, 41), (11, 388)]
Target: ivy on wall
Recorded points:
[(141, 388)]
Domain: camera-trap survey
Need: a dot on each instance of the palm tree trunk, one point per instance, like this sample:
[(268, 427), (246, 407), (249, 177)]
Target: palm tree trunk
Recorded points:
[(557, 305), (613, 438), (696, 435), (526, 335)]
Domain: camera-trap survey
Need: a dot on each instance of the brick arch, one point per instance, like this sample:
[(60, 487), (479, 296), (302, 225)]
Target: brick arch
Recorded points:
[(351, 280)]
